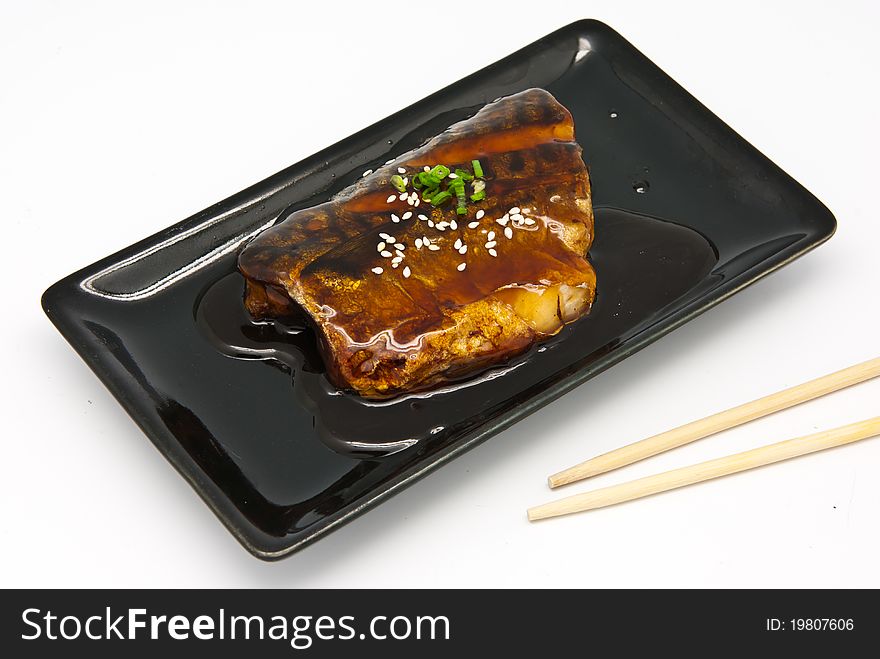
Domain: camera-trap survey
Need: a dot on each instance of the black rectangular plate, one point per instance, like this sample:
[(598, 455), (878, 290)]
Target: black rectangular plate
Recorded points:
[(679, 198)]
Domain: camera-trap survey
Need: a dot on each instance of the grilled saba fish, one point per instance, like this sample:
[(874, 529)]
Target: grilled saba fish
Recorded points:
[(455, 256)]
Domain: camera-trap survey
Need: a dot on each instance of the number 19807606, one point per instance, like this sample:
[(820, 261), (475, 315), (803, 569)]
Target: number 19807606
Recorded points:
[(810, 624)]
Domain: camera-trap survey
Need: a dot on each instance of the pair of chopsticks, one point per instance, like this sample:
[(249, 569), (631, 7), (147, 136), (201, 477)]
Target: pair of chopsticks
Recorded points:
[(710, 425)]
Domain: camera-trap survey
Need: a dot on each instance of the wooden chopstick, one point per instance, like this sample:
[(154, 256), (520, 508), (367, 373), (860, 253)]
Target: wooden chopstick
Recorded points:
[(710, 425), (703, 471)]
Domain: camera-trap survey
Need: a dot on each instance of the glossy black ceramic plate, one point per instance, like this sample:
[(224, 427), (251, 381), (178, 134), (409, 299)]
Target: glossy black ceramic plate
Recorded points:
[(687, 213)]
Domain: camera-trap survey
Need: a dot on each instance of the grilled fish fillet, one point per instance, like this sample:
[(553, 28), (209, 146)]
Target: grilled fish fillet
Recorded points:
[(428, 311)]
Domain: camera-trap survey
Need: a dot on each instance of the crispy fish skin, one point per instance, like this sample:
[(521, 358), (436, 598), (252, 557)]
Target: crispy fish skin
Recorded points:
[(430, 319)]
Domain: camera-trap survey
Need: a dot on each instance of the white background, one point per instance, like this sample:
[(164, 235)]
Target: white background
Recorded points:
[(115, 123)]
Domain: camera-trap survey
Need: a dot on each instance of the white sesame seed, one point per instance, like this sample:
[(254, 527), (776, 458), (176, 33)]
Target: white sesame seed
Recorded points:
[(514, 210), (426, 240), (386, 236), (516, 218), (423, 218), (491, 236), (397, 259), (405, 181), (394, 218), (377, 270), (453, 225), (529, 221), (426, 168), (480, 214), (385, 253), (390, 199), (399, 246), (492, 252), (430, 223), (461, 266), (417, 202), (399, 253), (457, 243), (462, 249), (491, 244), (508, 233), (395, 264), (380, 247), (418, 243), (402, 196), (503, 220), (555, 198), (401, 170), (407, 215), (473, 225), (453, 175), (434, 248), (367, 173), (407, 272), (526, 210)]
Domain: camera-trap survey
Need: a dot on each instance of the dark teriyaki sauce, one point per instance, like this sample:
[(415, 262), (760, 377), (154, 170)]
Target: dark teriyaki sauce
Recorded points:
[(642, 264)]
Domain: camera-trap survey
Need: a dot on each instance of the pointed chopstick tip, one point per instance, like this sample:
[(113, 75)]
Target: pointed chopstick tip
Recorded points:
[(571, 475)]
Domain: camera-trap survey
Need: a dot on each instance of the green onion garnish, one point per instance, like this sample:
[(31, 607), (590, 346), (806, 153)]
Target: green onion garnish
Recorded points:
[(430, 184), (397, 182), (429, 180), (441, 197), (457, 186), (440, 171)]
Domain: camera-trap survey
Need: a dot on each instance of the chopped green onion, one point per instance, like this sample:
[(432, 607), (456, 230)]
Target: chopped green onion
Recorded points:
[(397, 182), (441, 197), (440, 171), (430, 185), (462, 199)]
